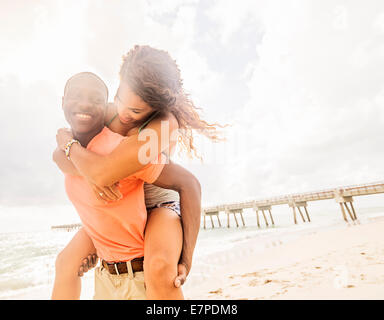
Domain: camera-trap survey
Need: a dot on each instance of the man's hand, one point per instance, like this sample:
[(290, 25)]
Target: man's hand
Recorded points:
[(63, 136), (182, 272), (88, 263)]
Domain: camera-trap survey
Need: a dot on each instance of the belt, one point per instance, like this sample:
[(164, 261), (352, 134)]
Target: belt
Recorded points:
[(121, 267)]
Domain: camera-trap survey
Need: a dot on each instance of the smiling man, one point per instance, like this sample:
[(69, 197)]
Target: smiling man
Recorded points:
[(84, 101), (114, 228)]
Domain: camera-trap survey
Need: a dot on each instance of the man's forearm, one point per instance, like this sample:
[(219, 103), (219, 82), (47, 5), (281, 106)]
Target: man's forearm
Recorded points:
[(190, 205)]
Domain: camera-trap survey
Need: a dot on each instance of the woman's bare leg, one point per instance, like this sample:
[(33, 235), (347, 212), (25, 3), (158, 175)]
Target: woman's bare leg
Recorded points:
[(163, 241), (67, 285)]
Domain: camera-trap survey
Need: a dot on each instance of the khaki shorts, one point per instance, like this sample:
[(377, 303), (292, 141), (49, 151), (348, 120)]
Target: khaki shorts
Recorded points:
[(127, 286)]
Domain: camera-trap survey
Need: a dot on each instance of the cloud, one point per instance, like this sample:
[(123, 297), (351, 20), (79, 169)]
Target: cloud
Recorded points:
[(27, 136), (314, 108), (299, 80)]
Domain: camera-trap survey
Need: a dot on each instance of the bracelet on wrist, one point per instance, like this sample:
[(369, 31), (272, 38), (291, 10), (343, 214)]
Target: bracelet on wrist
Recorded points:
[(68, 146)]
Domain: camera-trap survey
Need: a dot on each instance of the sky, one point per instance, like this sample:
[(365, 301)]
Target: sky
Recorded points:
[(300, 83)]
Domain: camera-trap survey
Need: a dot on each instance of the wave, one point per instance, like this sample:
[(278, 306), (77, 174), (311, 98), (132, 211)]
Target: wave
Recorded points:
[(27, 259)]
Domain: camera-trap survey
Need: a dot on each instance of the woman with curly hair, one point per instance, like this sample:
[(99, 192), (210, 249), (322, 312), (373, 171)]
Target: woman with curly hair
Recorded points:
[(150, 98)]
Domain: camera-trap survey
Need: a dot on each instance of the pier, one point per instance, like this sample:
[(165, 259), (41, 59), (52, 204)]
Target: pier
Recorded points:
[(67, 227), (298, 202)]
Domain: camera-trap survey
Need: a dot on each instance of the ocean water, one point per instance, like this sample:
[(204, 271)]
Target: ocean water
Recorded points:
[(28, 258)]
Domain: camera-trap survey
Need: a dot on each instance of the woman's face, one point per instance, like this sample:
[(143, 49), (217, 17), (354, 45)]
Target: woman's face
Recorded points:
[(130, 106)]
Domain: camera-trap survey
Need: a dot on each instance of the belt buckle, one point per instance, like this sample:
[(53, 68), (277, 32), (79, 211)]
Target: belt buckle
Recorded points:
[(116, 269)]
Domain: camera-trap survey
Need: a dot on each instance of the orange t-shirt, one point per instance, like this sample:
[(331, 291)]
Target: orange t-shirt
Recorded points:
[(116, 228)]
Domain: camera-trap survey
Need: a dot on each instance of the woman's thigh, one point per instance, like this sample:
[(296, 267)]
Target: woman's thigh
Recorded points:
[(163, 236)]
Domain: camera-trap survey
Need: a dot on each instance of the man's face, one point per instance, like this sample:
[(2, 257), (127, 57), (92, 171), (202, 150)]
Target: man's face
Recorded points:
[(84, 103)]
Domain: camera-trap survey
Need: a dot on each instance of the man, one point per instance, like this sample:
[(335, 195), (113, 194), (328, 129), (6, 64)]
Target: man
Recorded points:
[(116, 229)]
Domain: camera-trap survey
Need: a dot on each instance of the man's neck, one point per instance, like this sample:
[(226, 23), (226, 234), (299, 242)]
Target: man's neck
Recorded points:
[(85, 138)]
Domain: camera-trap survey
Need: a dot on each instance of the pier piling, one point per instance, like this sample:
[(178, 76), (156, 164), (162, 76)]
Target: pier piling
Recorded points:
[(263, 209), (218, 220), (212, 224), (299, 204), (343, 199), (211, 213), (306, 212), (233, 212), (270, 215), (257, 217)]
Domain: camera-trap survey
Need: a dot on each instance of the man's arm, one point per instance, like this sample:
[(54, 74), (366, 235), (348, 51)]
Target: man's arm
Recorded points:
[(186, 184)]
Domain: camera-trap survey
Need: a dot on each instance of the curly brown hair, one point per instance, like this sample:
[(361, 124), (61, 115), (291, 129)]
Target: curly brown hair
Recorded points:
[(155, 77)]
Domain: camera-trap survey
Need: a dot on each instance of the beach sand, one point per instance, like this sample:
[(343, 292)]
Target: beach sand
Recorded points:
[(343, 263), (346, 262)]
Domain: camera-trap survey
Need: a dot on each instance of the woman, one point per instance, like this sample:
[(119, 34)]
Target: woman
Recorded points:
[(150, 94)]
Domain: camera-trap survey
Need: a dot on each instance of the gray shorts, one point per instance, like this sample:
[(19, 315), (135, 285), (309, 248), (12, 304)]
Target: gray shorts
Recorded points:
[(173, 205)]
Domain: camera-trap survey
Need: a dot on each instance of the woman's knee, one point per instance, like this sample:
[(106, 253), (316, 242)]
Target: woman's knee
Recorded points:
[(160, 269)]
